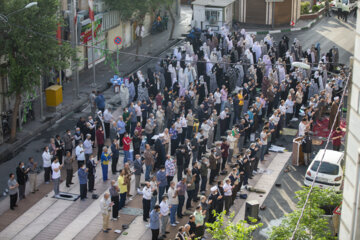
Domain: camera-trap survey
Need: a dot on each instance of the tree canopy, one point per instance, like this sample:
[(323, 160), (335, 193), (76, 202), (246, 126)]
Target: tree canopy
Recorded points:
[(29, 46)]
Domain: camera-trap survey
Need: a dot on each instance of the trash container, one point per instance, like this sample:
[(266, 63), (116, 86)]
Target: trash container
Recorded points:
[(54, 95)]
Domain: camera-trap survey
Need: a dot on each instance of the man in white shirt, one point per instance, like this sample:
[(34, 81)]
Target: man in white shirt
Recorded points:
[(227, 195), (146, 201), (88, 146), (46, 156), (173, 203), (108, 118), (303, 126), (105, 207), (164, 211), (56, 174), (263, 139), (80, 154)]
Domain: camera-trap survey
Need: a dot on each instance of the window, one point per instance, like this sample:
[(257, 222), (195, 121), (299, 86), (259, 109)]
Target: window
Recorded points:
[(326, 168), (212, 16)]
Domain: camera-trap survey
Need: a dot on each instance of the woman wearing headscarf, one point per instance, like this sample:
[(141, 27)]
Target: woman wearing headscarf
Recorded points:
[(143, 92)]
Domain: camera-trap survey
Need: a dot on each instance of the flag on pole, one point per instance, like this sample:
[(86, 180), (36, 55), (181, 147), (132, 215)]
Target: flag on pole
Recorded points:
[(58, 33), (292, 23), (91, 10)]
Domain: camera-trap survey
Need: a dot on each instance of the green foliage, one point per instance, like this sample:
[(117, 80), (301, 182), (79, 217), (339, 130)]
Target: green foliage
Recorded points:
[(29, 43), (130, 10), (315, 8), (313, 225), (319, 197), (29, 47), (223, 229), (304, 7)]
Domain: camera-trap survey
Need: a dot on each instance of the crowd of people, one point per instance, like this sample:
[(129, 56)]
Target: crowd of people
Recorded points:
[(212, 108)]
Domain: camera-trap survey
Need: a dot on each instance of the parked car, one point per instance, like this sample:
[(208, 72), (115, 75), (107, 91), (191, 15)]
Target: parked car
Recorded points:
[(331, 172)]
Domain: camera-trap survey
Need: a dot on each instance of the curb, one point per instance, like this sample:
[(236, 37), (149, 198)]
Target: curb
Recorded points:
[(13, 148), (293, 29)]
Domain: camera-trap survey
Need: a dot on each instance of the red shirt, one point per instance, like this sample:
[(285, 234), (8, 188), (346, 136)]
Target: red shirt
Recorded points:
[(100, 137), (337, 142), (126, 143)]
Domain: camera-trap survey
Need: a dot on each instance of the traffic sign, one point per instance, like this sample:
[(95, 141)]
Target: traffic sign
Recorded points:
[(338, 210), (117, 40)]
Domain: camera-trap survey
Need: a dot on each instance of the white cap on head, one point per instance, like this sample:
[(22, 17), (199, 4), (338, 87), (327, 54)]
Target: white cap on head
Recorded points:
[(336, 98), (213, 189)]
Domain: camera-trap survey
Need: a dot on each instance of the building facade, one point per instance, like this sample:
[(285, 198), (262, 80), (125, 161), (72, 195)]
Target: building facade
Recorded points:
[(350, 210)]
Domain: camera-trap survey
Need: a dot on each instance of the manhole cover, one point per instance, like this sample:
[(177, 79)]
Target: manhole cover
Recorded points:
[(67, 196)]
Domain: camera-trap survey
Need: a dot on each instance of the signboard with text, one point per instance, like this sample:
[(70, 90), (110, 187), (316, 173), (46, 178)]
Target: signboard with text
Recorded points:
[(86, 30)]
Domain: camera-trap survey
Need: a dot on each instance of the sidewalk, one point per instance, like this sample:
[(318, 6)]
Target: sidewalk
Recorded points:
[(267, 29), (154, 44)]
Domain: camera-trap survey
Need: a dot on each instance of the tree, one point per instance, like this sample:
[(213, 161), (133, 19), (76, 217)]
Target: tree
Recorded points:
[(312, 225), (228, 230), (30, 48)]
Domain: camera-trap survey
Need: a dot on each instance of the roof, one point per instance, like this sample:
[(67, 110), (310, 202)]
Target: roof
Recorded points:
[(331, 156), (213, 3)]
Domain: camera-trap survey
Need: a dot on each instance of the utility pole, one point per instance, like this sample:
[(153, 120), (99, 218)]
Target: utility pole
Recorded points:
[(73, 37), (41, 99), (73, 32)]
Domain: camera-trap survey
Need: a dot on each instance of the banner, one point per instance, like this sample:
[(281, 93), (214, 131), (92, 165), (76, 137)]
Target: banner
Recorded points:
[(86, 33)]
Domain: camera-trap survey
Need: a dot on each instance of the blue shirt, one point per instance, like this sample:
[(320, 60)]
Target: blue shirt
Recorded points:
[(82, 176), (173, 132), (161, 177), (133, 114), (154, 220), (100, 101), (121, 125)]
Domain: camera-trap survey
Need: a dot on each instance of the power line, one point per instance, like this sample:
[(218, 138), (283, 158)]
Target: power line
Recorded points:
[(158, 58), (322, 158)]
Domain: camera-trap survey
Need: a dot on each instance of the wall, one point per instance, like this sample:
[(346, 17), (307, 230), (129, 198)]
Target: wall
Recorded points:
[(199, 15), (350, 212), (312, 16), (255, 11)]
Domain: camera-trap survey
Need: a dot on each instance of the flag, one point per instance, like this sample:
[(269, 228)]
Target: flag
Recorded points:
[(91, 10), (292, 23), (58, 33)]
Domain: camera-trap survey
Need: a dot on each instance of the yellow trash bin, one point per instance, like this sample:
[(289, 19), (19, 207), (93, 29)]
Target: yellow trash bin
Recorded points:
[(54, 95)]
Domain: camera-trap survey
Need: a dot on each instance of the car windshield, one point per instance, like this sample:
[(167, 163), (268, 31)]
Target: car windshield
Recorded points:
[(326, 168)]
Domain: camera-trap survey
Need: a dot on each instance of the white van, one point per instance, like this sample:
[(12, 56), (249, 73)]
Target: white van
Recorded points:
[(330, 173)]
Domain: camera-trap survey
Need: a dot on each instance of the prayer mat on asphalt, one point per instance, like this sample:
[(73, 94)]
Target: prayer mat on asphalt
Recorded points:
[(131, 211), (290, 131)]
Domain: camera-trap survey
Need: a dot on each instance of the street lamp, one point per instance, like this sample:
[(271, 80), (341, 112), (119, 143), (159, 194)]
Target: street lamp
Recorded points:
[(5, 17)]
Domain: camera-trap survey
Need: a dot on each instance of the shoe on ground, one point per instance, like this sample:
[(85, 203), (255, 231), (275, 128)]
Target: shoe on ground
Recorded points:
[(46, 182), (105, 231), (145, 220), (66, 186), (108, 229), (177, 222), (174, 225), (166, 232)]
